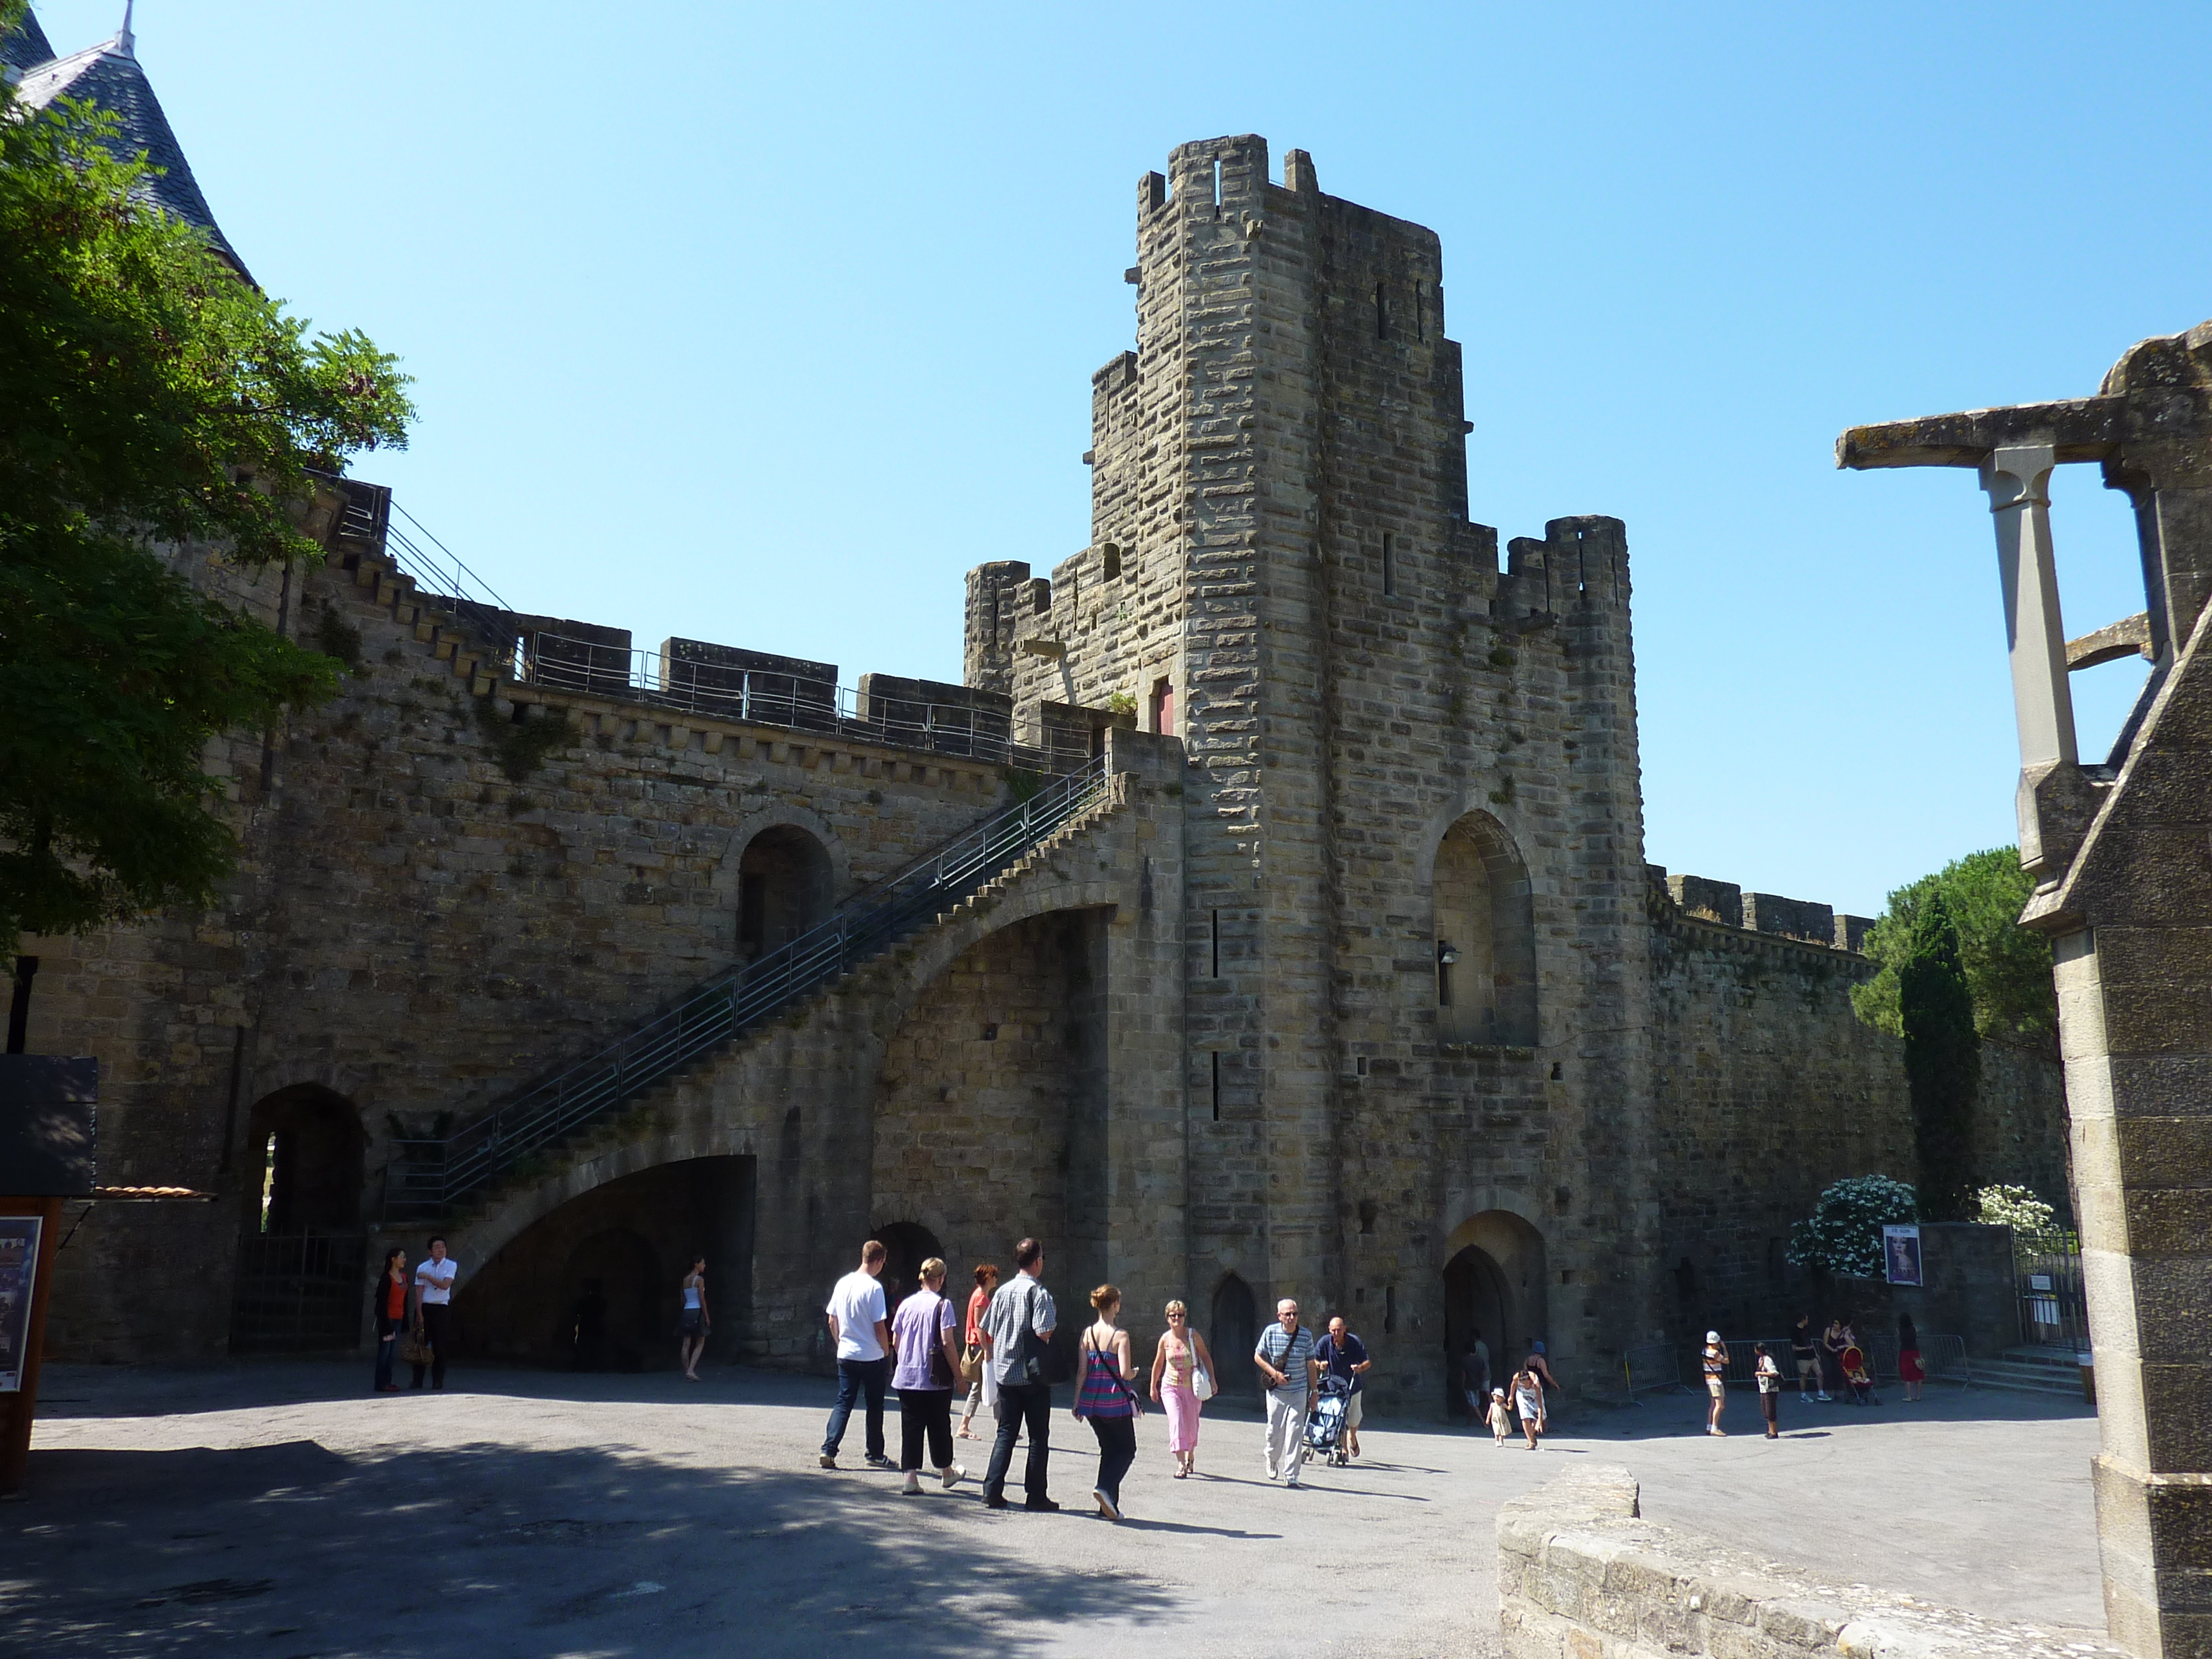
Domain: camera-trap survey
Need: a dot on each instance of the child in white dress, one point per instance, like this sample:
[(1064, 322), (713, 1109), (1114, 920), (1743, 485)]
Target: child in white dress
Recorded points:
[(1501, 1420)]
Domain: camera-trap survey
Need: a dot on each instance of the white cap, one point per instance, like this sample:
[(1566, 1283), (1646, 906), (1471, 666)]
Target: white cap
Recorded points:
[(1712, 1336)]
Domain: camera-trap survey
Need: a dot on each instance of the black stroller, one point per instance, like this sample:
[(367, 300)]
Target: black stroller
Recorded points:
[(1325, 1423)]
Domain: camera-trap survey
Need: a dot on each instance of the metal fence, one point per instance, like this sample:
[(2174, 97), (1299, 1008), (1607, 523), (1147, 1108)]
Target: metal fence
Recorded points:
[(1942, 1358), (298, 1293), (426, 1177)]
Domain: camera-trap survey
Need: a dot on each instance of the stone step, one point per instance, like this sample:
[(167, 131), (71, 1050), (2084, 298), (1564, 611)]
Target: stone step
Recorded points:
[(2023, 1379)]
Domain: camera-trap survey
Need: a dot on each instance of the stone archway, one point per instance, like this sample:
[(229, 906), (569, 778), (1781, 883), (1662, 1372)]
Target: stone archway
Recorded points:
[(786, 885), (1485, 936), (297, 1284), (1494, 1282)]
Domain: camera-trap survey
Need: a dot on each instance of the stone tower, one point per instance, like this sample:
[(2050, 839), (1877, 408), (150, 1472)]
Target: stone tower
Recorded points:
[(1416, 976)]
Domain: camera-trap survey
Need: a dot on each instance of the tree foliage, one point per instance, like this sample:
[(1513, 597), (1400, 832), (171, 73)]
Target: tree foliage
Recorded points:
[(2008, 967), (1843, 1232), (148, 395), (1942, 1060)]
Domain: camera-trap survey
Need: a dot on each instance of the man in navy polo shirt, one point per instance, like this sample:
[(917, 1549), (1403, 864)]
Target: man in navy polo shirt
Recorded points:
[(1345, 1356)]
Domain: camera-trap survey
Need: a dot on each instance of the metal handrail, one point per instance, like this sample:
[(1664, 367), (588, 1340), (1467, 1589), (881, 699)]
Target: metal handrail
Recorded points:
[(425, 1177)]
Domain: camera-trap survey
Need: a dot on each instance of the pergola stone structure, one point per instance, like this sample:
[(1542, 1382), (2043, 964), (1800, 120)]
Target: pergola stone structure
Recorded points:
[(2122, 854)]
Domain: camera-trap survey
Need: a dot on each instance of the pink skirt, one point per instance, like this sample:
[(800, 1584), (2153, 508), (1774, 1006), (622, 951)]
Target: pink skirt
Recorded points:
[(1183, 1416)]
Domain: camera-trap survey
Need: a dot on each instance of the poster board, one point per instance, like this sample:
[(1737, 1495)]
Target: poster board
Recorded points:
[(19, 1274), (1901, 1254)]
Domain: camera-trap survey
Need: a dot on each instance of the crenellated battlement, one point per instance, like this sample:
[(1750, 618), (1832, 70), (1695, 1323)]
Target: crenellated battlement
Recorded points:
[(1724, 903)]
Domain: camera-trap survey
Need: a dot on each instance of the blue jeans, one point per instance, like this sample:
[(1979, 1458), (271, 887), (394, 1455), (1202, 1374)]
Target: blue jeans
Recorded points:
[(387, 1348), (853, 1377)]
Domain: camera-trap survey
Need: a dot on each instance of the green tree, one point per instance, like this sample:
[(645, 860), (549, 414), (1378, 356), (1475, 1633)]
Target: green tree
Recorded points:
[(1843, 1232), (2008, 967), (148, 395), (1942, 1060)]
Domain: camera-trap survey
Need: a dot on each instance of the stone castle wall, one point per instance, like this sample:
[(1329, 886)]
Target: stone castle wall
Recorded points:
[(1211, 1047)]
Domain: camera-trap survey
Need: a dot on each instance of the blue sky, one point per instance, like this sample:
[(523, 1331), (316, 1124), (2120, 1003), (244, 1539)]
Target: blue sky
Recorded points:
[(761, 325)]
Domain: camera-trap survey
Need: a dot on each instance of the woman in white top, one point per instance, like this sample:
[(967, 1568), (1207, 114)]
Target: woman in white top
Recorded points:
[(691, 1329)]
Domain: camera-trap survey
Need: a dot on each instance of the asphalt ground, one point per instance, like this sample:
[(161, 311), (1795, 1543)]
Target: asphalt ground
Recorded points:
[(277, 1509)]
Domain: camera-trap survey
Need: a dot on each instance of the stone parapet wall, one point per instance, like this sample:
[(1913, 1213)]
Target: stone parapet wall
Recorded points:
[(1581, 1576)]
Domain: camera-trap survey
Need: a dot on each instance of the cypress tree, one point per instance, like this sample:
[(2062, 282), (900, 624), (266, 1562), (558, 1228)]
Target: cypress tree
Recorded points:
[(1942, 1060)]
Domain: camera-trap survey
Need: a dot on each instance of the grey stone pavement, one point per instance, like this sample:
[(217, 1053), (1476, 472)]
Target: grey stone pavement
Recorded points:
[(277, 1509)]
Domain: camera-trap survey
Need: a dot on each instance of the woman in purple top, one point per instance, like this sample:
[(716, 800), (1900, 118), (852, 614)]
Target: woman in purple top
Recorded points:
[(925, 1334)]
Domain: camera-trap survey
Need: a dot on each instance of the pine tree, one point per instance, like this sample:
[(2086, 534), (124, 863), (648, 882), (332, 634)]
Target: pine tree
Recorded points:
[(1942, 1060)]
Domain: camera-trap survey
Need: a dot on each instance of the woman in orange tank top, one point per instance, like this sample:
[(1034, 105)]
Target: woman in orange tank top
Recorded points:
[(390, 1301)]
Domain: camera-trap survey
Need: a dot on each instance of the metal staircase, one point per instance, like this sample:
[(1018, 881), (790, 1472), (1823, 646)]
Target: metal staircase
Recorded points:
[(426, 1179)]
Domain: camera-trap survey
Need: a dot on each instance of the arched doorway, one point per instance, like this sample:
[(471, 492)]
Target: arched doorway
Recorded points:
[(785, 881), (907, 1245), (616, 1309), (1486, 937), (297, 1285), (1233, 1333), (1493, 1284)]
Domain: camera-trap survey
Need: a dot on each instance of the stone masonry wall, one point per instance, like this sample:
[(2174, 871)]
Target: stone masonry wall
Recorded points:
[(1766, 1087), (1581, 1577), (419, 931)]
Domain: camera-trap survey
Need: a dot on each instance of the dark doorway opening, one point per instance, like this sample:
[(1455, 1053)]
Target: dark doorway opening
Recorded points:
[(597, 1282), (1234, 1332), (612, 1290), (784, 888), (298, 1284), (907, 1245), (1476, 1299)]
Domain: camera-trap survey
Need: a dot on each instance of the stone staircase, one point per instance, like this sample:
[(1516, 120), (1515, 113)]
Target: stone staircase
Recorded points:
[(2029, 1369), (548, 1138)]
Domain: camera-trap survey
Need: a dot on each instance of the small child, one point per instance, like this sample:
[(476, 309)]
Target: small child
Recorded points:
[(1501, 1420)]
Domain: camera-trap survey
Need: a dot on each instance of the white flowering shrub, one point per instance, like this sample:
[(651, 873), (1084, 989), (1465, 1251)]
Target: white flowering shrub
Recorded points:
[(1843, 1233), (2035, 1224)]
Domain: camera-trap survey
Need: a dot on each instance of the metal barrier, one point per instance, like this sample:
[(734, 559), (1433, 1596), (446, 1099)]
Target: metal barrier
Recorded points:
[(1656, 1365), (425, 1177), (298, 1293)]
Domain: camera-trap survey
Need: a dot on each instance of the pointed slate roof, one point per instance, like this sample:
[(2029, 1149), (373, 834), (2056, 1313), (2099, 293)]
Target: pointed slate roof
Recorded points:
[(108, 74), (25, 46)]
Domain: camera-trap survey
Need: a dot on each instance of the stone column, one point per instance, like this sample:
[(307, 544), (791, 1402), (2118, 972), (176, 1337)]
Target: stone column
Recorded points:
[(2017, 477)]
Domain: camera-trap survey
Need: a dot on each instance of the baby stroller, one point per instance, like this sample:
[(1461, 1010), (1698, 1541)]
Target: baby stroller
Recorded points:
[(1325, 1423), (1858, 1375)]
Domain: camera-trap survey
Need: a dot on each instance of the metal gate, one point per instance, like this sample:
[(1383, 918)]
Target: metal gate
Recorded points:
[(298, 1293), (2052, 1310)]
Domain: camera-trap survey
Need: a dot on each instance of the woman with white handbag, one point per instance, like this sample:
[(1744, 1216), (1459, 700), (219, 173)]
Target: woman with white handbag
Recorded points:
[(1182, 1379)]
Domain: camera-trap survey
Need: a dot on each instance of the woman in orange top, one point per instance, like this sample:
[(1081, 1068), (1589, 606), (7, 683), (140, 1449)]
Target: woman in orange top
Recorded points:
[(985, 1390), (391, 1303)]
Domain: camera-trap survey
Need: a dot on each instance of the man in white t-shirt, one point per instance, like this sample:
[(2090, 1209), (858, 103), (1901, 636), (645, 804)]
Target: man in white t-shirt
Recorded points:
[(859, 1326), (434, 1299)]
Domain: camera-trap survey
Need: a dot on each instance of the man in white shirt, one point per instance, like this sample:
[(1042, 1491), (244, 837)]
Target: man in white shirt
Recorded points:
[(433, 1298), (859, 1328)]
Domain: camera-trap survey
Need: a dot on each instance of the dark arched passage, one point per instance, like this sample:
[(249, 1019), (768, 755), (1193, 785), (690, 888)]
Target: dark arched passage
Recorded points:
[(907, 1245), (297, 1284), (785, 879), (1233, 1333), (1493, 1284)]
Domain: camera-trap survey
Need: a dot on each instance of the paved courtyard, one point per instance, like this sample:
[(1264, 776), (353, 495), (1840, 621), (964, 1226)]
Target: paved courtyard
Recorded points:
[(275, 1510)]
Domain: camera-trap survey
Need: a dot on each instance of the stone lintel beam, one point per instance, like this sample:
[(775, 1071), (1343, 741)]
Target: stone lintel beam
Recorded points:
[(2079, 429), (2128, 637)]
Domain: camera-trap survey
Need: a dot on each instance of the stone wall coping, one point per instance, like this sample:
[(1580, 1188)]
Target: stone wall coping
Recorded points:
[(1581, 1575), (1668, 917)]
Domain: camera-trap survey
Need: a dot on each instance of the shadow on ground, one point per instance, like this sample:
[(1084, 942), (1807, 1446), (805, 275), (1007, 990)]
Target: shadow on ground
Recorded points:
[(292, 1550)]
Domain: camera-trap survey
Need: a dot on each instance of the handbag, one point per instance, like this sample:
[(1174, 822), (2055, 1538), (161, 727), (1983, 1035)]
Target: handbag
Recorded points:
[(413, 1350), (941, 1373), (1201, 1380)]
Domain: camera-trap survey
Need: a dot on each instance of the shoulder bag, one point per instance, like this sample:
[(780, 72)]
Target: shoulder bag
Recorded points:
[(1028, 1369), (1201, 1380)]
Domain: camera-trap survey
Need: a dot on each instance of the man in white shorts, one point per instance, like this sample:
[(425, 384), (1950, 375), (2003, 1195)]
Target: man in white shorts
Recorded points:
[(1343, 1355)]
